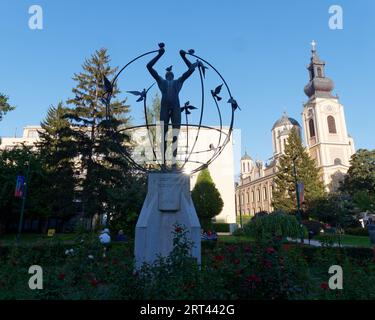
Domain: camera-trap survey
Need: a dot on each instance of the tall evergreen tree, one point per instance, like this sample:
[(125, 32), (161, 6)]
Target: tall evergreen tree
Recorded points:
[(284, 194), (104, 170), (4, 105), (207, 199), (59, 158)]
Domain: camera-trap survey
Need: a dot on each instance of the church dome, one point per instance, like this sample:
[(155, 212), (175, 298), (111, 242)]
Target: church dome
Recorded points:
[(321, 87), (246, 157), (284, 121)]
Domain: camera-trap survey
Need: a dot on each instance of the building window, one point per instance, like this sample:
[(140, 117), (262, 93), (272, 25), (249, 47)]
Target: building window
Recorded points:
[(248, 167), (320, 72), (311, 128), (252, 196), (247, 197), (258, 193), (265, 193), (331, 124), (243, 167)]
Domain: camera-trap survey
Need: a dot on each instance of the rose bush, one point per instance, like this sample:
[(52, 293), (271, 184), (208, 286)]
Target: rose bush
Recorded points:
[(268, 268)]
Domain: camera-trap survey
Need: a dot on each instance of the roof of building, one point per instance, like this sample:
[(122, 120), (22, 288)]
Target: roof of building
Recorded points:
[(285, 120), (246, 157), (319, 85)]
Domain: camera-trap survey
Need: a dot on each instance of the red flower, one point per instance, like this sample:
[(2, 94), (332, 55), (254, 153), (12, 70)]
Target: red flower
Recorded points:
[(209, 232), (324, 285), (270, 250), (178, 229), (94, 282), (236, 261), (267, 264), (253, 278), (61, 276), (286, 246), (239, 271), (219, 257)]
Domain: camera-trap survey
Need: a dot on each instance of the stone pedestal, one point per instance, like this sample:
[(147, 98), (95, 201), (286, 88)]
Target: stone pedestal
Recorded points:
[(168, 202)]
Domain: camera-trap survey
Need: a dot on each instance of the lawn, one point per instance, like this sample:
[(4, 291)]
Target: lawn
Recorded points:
[(349, 240), (30, 238)]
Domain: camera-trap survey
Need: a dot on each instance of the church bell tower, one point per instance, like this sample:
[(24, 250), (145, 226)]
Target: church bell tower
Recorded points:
[(325, 131)]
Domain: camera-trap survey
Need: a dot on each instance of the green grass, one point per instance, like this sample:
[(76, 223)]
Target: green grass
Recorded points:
[(234, 239), (29, 239), (355, 241), (346, 239)]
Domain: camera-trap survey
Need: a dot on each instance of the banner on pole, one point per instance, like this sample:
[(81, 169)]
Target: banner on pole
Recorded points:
[(20, 186), (301, 192)]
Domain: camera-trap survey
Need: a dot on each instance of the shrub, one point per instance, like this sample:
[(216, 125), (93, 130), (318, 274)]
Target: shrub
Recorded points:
[(221, 227), (313, 225), (357, 231), (207, 199), (279, 224)]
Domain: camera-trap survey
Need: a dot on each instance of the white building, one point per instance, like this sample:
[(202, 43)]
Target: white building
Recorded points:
[(29, 138)]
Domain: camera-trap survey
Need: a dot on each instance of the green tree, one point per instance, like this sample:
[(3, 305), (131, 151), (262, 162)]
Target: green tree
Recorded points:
[(284, 195), (105, 172), (361, 174), (4, 105), (14, 162), (58, 156), (336, 209), (207, 199), (364, 201)]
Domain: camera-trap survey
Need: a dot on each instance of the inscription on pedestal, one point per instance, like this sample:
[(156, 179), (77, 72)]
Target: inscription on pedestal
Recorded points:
[(169, 194)]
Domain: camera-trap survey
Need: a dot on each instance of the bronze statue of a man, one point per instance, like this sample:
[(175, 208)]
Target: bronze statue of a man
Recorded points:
[(170, 102)]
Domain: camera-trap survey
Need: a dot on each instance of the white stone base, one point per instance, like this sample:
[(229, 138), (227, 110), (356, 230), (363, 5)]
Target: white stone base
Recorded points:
[(168, 202)]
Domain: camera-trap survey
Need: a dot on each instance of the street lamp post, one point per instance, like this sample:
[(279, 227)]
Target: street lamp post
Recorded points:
[(299, 215), (23, 201)]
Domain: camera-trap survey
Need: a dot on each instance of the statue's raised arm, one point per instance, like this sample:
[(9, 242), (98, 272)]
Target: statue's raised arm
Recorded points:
[(151, 64), (191, 66)]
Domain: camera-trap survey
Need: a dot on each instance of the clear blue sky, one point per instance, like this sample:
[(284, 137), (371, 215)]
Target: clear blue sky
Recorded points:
[(261, 47)]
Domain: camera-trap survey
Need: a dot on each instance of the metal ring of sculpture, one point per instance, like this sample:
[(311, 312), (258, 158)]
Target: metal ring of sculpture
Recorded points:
[(224, 137)]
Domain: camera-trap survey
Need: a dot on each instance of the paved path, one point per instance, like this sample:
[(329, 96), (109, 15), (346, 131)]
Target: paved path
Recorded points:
[(315, 243)]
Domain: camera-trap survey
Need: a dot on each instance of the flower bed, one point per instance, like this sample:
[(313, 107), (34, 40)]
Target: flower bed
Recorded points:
[(268, 269)]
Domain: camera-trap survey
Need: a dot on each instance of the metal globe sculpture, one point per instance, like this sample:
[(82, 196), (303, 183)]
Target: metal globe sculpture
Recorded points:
[(219, 98)]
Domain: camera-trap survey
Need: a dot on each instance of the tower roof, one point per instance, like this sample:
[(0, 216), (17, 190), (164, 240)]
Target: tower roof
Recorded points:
[(246, 157), (285, 120), (319, 85)]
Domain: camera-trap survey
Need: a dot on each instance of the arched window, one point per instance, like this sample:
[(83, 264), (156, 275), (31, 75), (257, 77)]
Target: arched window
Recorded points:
[(311, 128), (252, 196), (258, 194), (320, 72), (243, 167), (265, 193), (248, 167), (331, 124)]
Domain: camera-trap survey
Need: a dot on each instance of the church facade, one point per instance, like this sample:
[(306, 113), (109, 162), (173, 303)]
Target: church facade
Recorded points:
[(325, 136)]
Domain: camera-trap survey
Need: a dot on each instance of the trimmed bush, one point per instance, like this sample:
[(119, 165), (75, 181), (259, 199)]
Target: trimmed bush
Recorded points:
[(221, 227), (278, 224)]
